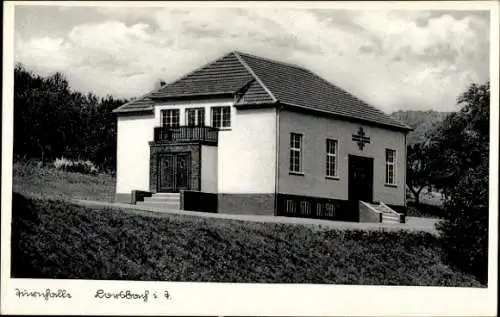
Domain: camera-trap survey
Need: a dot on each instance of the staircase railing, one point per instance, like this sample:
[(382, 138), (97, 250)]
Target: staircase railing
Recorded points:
[(372, 209), (400, 216), (384, 212)]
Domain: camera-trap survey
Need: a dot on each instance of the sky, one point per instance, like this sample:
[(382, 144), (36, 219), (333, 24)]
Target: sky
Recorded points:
[(394, 60)]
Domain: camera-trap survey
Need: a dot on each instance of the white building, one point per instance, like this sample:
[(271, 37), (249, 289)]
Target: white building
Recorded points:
[(245, 134)]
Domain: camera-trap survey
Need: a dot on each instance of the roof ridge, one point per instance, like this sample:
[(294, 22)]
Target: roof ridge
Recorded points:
[(257, 78), (274, 61), (187, 74), (151, 92), (346, 91)]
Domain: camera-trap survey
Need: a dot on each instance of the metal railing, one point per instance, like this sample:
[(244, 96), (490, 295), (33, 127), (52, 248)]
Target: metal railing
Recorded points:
[(186, 134)]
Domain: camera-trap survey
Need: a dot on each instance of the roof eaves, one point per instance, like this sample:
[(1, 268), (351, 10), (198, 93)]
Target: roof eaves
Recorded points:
[(124, 107), (255, 103), (119, 110), (250, 70), (400, 126)]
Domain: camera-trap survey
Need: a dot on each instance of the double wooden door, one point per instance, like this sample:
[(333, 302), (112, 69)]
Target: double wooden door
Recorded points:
[(174, 172)]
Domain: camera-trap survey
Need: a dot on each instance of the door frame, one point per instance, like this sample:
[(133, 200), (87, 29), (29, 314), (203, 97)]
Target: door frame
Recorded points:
[(175, 155), (350, 160)]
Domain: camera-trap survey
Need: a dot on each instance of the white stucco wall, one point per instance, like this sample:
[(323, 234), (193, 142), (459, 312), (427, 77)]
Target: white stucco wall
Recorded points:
[(132, 167), (315, 131), (247, 152), (183, 105), (209, 168)]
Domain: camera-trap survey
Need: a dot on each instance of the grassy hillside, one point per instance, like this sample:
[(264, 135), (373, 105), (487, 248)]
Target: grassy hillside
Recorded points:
[(421, 121), (54, 239), (51, 183)]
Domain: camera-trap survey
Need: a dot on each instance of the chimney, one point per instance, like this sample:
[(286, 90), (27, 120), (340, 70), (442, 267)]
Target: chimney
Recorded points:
[(160, 83)]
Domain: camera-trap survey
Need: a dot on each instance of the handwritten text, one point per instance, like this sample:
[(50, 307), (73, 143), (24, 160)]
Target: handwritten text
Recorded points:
[(47, 294)]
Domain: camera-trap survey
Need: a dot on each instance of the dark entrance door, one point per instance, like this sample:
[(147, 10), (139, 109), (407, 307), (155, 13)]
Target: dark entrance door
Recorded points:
[(360, 179), (174, 172)]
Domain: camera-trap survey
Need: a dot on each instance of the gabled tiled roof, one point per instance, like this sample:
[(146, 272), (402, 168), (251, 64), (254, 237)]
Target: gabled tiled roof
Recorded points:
[(298, 87), (224, 76), (254, 80)]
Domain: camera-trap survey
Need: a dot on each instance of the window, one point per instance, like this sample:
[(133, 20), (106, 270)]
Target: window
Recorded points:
[(195, 117), (390, 166), (330, 210), (331, 158), (221, 117), (305, 208), (290, 206), (295, 153), (170, 118)]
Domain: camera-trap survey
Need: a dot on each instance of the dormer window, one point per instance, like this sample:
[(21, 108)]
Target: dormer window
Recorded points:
[(221, 117)]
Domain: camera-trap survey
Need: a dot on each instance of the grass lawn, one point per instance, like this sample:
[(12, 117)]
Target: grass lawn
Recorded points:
[(56, 239), (51, 183)]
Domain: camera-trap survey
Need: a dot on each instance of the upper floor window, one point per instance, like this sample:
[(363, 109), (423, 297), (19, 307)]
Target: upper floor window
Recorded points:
[(170, 117), (331, 157), (195, 117), (295, 153), (221, 117), (390, 166)]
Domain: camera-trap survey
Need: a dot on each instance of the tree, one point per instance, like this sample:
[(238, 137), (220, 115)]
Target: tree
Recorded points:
[(39, 104), (51, 120), (417, 169), (460, 153)]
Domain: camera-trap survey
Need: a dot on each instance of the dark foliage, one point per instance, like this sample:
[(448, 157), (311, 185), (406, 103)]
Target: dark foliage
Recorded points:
[(424, 210), (52, 121), (418, 169), (422, 123), (54, 239), (460, 170)]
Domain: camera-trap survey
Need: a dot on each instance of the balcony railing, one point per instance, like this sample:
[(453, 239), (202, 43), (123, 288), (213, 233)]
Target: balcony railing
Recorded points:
[(186, 134)]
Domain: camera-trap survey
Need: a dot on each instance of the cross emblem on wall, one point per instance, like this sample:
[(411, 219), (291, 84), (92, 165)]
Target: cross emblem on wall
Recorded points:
[(361, 138)]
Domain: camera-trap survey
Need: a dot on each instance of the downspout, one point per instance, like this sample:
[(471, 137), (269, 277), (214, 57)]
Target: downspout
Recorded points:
[(277, 166)]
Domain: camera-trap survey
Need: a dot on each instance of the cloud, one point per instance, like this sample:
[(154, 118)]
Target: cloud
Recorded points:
[(392, 59)]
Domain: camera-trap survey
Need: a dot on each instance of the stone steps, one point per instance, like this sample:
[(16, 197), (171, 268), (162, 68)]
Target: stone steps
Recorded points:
[(390, 218), (388, 215), (161, 201)]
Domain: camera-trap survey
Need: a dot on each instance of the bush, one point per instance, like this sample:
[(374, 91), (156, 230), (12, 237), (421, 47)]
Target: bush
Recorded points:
[(80, 166), (465, 229), (460, 171), (57, 239), (424, 210)]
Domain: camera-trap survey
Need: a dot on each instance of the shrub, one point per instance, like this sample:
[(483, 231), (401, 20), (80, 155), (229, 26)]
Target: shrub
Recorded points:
[(424, 210), (460, 171), (80, 166), (465, 229), (57, 239)]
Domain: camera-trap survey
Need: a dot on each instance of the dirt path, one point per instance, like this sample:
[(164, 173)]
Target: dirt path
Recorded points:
[(412, 223)]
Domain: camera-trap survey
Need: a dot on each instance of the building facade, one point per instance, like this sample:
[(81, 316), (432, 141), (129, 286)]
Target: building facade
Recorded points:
[(261, 137)]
